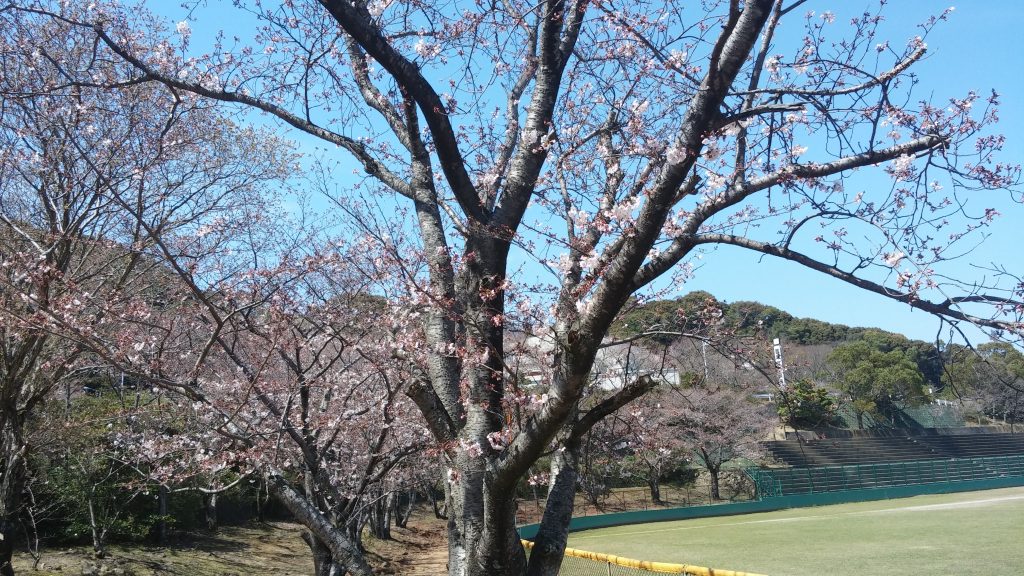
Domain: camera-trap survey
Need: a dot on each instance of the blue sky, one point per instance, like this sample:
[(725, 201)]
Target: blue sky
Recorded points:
[(978, 48)]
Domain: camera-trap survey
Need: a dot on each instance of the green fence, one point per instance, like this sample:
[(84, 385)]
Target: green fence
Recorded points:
[(827, 485), (892, 480), (774, 482)]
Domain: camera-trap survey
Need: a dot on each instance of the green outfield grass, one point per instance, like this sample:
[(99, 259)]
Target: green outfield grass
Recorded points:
[(962, 534)]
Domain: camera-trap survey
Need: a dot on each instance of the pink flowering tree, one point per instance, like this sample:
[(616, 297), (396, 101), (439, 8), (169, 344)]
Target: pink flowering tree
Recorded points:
[(76, 167), (610, 144), (295, 372), (719, 425), (656, 447)]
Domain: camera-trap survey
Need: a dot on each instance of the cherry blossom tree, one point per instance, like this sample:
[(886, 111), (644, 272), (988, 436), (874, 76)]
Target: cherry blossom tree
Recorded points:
[(722, 425), (656, 446), (612, 144), (75, 165)]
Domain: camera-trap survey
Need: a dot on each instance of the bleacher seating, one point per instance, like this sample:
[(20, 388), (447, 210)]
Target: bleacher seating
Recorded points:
[(975, 445), (831, 464), (867, 450)]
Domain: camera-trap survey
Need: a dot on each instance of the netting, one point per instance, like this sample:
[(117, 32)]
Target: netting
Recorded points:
[(585, 563)]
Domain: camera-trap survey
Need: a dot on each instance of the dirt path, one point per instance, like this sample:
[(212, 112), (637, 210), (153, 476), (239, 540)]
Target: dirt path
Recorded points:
[(418, 550)]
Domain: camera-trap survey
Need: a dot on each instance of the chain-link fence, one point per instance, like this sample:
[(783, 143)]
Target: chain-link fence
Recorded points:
[(734, 486)]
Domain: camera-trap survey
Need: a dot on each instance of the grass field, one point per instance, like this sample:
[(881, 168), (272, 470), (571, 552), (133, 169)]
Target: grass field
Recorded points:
[(962, 534)]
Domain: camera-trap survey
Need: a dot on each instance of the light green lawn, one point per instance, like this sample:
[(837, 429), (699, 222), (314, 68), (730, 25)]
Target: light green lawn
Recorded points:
[(962, 534)]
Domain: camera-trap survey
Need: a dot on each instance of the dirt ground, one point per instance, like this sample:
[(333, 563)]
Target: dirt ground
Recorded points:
[(269, 549), (277, 549)]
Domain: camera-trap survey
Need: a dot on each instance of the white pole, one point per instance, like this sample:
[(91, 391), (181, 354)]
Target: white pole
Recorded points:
[(777, 348)]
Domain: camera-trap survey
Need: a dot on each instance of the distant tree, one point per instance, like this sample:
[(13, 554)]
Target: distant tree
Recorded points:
[(871, 377), (87, 471), (666, 321), (653, 449), (993, 374), (721, 425), (805, 405), (747, 317)]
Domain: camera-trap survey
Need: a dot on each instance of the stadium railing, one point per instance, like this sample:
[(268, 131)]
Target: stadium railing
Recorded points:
[(773, 482)]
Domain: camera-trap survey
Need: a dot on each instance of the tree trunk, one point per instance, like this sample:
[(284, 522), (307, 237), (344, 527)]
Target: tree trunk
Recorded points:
[(714, 484), (402, 514), (161, 525), (354, 529), (98, 535), (343, 551), (323, 564), (12, 486), (380, 518), (210, 507), (549, 545), (440, 509), (6, 546), (655, 487), (260, 508), (482, 536)]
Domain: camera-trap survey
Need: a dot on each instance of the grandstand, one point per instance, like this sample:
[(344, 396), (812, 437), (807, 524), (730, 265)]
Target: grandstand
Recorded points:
[(839, 464)]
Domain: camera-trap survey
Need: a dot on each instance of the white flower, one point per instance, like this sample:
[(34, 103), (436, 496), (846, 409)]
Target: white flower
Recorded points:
[(675, 155), (183, 28), (563, 264), (798, 151), (376, 8), (892, 259), (473, 449), (902, 168), (591, 262), (426, 49), (624, 210), (714, 181), (497, 440), (538, 400)]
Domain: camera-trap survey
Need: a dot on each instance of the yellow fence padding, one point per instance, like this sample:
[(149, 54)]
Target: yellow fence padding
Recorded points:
[(656, 567)]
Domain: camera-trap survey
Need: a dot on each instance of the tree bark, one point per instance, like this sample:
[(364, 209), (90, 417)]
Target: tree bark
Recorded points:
[(210, 509), (161, 525), (482, 536), (12, 486), (715, 495), (549, 545), (402, 514), (655, 488), (98, 534), (322, 561), (343, 551), (440, 509)]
